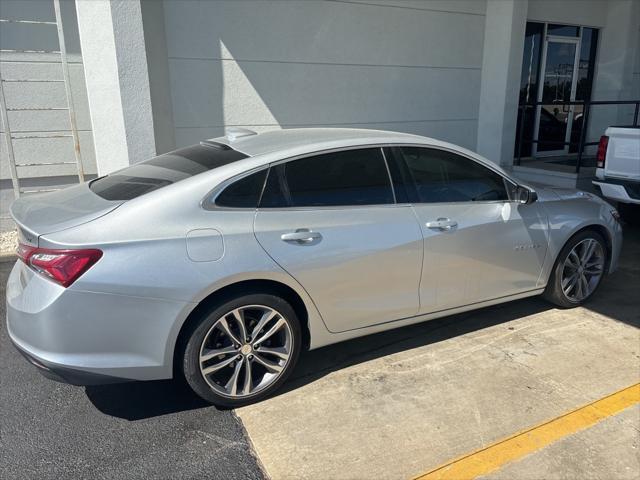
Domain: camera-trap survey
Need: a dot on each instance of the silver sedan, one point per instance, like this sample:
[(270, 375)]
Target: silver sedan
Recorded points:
[(222, 261)]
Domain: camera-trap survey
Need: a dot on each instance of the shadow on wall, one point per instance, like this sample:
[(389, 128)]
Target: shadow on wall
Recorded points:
[(269, 65)]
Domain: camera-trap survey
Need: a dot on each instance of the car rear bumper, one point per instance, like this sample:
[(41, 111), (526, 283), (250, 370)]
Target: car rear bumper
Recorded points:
[(67, 375), (619, 190), (82, 337)]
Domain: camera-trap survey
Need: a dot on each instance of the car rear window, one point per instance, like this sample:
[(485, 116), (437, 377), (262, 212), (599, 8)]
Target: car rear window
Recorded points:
[(163, 170)]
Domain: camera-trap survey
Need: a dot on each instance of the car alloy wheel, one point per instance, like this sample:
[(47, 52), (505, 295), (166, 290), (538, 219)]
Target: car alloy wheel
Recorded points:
[(583, 269), (245, 351)]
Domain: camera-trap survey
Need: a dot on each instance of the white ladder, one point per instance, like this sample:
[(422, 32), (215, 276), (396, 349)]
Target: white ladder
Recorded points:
[(15, 168)]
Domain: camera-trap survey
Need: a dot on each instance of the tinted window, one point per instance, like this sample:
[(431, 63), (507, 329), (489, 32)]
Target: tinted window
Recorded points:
[(354, 177), (243, 193), (563, 30), (441, 176), (274, 195), (144, 177), (399, 176)]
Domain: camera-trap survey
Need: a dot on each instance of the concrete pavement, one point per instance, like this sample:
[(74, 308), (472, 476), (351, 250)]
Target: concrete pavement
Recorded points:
[(606, 451)]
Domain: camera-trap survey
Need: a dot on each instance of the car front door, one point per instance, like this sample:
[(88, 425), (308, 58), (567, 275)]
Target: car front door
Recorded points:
[(331, 221), (479, 244)]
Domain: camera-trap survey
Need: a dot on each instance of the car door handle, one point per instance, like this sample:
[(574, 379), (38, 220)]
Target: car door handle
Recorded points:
[(301, 236), (442, 224)]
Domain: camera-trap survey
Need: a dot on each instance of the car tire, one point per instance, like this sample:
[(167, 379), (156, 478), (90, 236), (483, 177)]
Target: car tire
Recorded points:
[(218, 330), (565, 281)]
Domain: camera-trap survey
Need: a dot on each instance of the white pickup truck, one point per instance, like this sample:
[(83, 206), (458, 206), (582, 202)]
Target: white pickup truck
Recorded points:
[(618, 167)]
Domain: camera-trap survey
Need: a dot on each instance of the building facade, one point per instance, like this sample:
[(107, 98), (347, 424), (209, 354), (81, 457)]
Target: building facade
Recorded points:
[(163, 74)]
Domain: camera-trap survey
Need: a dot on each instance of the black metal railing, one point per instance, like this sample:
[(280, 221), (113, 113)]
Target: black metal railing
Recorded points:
[(582, 142)]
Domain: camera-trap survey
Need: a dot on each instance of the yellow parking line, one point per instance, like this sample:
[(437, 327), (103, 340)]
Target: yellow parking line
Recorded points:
[(491, 458)]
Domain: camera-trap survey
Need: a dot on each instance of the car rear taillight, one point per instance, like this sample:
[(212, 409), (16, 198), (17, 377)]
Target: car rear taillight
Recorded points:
[(62, 266), (601, 157)]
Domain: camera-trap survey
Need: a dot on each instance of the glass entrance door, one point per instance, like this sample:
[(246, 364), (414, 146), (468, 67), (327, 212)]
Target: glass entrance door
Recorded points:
[(558, 75)]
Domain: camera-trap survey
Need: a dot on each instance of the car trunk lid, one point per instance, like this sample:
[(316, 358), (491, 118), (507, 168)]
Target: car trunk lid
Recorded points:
[(49, 212)]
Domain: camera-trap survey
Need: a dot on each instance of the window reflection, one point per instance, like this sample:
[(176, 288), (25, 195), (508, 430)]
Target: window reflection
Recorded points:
[(556, 88), (529, 82), (587, 60)]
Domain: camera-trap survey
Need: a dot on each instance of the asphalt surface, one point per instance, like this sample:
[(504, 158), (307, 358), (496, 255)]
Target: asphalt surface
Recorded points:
[(136, 430)]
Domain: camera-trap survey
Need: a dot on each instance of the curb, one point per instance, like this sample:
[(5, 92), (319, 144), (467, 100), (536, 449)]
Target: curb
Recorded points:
[(8, 257)]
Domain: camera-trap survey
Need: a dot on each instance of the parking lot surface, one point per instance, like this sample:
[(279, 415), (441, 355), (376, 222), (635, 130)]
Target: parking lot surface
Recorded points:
[(394, 405)]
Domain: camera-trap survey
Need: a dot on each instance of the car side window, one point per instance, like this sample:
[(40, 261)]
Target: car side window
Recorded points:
[(243, 193), (444, 177), (351, 177), (274, 195)]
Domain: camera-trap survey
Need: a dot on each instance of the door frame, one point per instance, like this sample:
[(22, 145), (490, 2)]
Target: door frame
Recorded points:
[(574, 82)]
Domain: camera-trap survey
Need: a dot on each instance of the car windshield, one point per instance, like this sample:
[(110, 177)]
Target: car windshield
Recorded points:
[(163, 170)]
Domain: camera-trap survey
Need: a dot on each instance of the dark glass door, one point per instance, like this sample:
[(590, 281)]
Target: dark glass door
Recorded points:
[(586, 62), (557, 65), (558, 75)]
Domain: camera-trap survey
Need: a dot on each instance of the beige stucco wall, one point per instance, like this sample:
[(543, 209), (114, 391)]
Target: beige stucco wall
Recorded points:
[(410, 66)]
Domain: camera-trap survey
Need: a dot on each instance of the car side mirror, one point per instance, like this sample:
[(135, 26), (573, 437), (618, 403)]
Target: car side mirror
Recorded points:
[(526, 195)]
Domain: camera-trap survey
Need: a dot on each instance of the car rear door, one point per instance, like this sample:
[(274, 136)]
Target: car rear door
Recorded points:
[(331, 221), (479, 244)]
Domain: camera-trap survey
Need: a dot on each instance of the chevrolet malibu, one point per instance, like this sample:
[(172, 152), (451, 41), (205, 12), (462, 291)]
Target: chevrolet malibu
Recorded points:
[(221, 262)]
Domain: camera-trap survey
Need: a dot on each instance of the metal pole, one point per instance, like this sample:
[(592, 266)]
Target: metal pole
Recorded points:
[(7, 135), (635, 114), (520, 133), (67, 87), (583, 131)]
